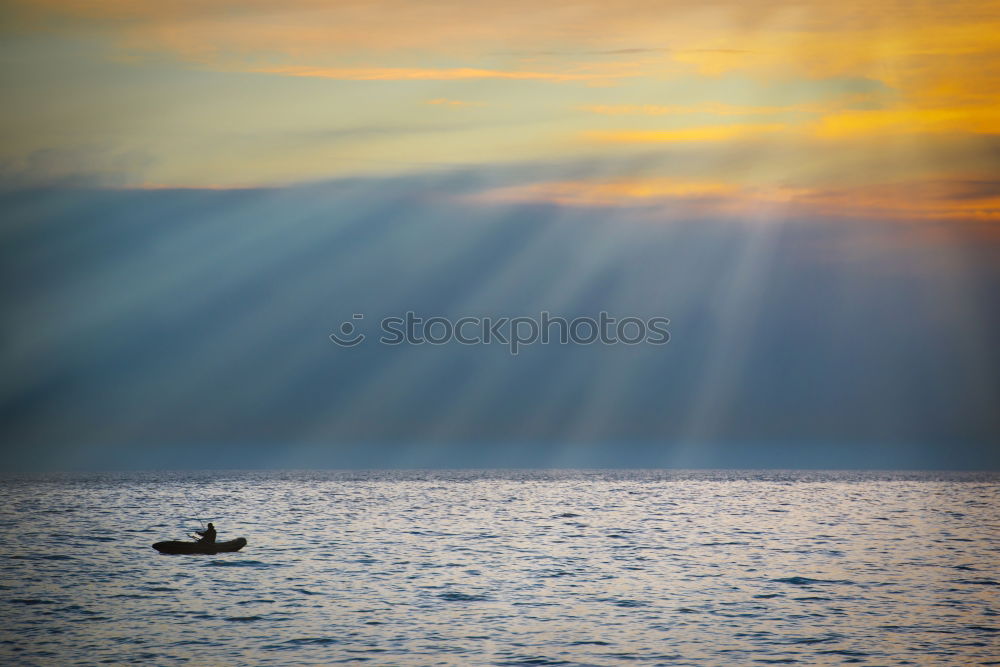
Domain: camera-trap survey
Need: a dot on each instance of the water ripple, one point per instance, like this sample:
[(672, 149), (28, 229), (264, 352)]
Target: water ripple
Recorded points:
[(500, 568)]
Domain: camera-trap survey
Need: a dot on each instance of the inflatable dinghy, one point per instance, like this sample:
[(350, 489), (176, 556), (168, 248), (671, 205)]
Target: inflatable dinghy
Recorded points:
[(177, 547)]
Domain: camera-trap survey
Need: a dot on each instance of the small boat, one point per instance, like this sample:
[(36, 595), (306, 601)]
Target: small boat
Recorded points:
[(178, 547)]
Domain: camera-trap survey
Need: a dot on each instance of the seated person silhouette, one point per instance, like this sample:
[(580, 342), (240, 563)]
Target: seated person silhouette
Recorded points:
[(207, 535)]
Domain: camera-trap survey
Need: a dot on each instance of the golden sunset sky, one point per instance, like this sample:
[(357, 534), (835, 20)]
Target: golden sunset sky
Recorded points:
[(195, 193), (874, 109)]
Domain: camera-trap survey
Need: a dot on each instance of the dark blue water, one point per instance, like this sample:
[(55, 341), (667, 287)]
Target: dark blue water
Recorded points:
[(509, 568)]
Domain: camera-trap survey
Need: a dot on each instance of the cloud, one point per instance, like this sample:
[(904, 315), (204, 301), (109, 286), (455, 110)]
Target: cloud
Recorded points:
[(826, 92), (971, 120), (690, 134), (724, 109), (443, 101), (825, 124), (85, 166), (914, 201), (426, 74), (625, 51), (610, 193), (933, 200)]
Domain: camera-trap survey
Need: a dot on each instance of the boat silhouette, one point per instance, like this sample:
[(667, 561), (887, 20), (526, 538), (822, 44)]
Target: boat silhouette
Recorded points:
[(179, 547)]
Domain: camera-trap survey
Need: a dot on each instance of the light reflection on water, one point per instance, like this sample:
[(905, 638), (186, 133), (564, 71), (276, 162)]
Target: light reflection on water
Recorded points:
[(506, 568)]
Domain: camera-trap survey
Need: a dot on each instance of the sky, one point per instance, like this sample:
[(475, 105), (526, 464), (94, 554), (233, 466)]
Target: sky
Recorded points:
[(196, 194)]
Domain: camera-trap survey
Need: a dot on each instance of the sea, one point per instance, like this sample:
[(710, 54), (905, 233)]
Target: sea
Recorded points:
[(503, 567)]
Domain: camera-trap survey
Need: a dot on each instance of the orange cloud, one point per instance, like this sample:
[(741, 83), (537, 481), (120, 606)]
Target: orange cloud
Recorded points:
[(966, 200), (590, 193), (970, 200)]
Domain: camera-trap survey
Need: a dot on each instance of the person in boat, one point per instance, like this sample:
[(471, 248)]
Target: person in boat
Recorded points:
[(207, 535)]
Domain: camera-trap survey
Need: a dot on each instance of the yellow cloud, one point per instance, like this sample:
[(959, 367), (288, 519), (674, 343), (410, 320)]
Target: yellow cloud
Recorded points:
[(836, 125), (909, 121), (702, 133), (418, 74), (665, 58), (721, 109)]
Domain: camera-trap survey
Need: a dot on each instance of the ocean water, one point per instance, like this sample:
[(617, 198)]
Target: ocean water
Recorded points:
[(504, 568)]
